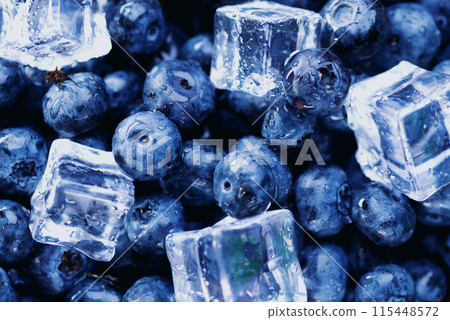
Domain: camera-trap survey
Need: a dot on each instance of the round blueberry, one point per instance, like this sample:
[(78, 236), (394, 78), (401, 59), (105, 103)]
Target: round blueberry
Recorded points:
[(407, 21), (323, 199), (316, 81), (354, 28), (146, 145), (180, 90), (15, 237), (194, 172), (430, 280), (94, 290), (138, 26), (244, 184), (324, 272), (440, 10), (77, 105), (7, 292), (12, 82), (55, 269), (443, 67), (150, 220), (385, 283), (383, 215), (435, 211), (94, 140), (280, 171), (198, 49), (123, 88), (150, 289), (23, 155)]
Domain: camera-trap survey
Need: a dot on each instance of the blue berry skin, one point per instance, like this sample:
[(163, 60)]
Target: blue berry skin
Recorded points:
[(446, 251), (12, 82), (138, 26), (150, 289), (197, 161), (435, 211), (23, 155), (180, 90), (146, 145), (440, 10), (386, 283), (249, 106), (283, 121), (323, 199), (7, 292), (358, 24), (15, 237), (430, 280), (91, 290), (150, 220), (363, 254), (243, 182), (198, 49), (443, 67), (316, 81), (280, 171), (407, 21), (94, 140), (77, 106), (325, 279), (56, 269), (383, 215), (123, 88)]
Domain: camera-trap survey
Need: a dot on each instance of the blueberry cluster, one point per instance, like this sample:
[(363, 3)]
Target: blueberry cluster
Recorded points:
[(201, 156)]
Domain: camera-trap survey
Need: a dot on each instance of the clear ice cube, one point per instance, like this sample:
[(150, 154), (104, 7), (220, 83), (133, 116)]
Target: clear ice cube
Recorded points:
[(253, 40), (81, 201), (250, 259), (53, 33), (401, 119)]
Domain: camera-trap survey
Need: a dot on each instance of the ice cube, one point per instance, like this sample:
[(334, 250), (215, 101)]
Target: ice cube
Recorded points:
[(53, 33), (401, 119), (250, 259), (81, 201), (253, 40)]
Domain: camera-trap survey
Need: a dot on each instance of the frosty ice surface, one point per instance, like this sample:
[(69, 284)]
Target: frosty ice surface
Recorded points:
[(250, 259), (81, 201), (53, 33), (401, 119), (253, 40)]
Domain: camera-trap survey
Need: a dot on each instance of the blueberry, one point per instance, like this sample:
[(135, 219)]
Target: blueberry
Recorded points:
[(244, 184), (150, 220), (138, 26), (146, 144), (23, 155), (386, 283), (77, 105), (363, 254), (323, 270), (430, 280), (443, 67), (249, 106), (94, 290), (354, 28), (283, 121), (323, 199), (12, 82), (446, 251), (123, 88), (383, 215), (440, 10), (280, 171), (316, 81), (196, 164), (15, 239), (198, 49), (407, 21), (94, 140), (56, 269), (7, 292), (180, 90), (150, 289), (435, 211)]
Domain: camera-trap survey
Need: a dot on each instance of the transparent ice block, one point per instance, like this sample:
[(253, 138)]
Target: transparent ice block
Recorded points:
[(253, 40), (250, 259), (401, 119), (81, 201), (53, 33)]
